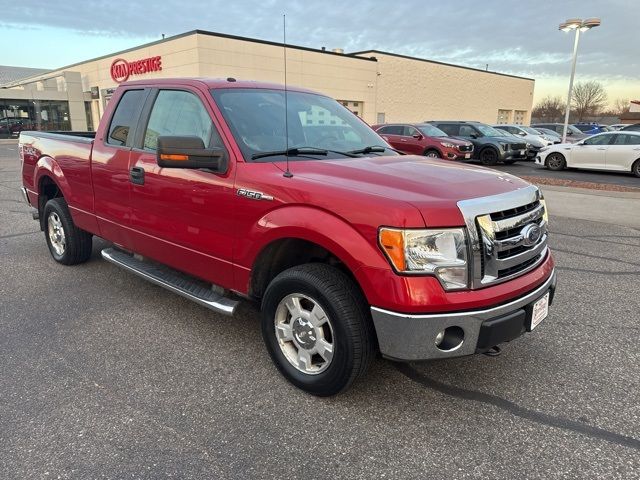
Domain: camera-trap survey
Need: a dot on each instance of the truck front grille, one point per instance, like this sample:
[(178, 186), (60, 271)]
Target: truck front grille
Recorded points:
[(508, 235)]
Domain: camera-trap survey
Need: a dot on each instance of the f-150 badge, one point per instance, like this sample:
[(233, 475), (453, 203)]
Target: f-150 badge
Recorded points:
[(243, 192)]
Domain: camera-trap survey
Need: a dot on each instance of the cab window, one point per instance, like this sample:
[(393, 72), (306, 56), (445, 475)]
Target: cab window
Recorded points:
[(124, 117), (179, 113), (391, 130)]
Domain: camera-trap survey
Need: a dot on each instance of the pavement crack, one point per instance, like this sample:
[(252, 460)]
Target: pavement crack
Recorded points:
[(12, 235), (601, 272), (609, 259), (517, 410), (594, 239)]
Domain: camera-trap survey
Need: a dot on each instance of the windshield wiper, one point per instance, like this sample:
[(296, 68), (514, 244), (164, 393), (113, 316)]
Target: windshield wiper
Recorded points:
[(292, 152), (373, 149), (300, 151)]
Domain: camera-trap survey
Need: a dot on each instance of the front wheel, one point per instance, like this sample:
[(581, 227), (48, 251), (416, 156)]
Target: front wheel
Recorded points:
[(67, 243), (317, 328), (432, 153), (555, 162), (636, 168), (489, 156)]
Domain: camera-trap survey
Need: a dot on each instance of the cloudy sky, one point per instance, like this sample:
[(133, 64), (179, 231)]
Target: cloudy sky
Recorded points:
[(514, 36)]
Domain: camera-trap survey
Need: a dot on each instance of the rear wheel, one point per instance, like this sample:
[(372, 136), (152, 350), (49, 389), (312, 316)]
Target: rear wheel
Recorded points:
[(317, 328), (67, 243), (489, 156), (555, 162), (432, 153), (636, 168)]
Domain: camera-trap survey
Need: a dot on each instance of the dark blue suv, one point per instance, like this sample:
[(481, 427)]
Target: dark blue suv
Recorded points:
[(589, 128)]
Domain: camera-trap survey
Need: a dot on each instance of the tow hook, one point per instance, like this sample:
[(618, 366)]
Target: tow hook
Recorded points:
[(494, 351)]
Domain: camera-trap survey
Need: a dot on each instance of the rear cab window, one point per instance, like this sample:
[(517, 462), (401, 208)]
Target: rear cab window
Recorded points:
[(125, 118)]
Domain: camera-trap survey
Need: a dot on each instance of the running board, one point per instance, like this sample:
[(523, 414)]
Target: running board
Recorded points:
[(191, 288)]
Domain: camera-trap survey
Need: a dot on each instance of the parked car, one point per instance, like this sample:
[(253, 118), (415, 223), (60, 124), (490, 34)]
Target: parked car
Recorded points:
[(535, 140), (573, 134), (590, 128), (490, 146), (549, 134), (631, 128), (424, 139), (618, 126), (615, 151), (347, 247)]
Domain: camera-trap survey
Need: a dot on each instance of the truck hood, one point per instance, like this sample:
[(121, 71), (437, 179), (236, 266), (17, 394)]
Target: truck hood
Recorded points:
[(433, 186)]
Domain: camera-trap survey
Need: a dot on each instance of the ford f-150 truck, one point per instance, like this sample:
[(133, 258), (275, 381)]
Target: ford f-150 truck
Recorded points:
[(220, 190)]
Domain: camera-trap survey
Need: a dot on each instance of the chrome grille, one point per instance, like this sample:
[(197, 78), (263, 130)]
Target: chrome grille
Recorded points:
[(498, 228), (518, 146)]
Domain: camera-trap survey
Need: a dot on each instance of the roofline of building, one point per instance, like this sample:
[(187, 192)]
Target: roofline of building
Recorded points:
[(186, 34), (439, 63)]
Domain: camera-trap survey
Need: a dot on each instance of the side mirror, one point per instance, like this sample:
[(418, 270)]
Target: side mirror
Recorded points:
[(473, 135), (522, 134), (189, 152), (417, 136)]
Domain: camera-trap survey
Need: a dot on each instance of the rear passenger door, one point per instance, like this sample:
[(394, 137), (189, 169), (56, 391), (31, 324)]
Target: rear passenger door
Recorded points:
[(393, 135), (110, 168), (623, 152), (183, 217)]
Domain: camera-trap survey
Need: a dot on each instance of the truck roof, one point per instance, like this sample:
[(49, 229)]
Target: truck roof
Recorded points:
[(214, 83)]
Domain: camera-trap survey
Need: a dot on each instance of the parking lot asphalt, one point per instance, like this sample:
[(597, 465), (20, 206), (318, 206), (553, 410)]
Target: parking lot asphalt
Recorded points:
[(530, 169), (103, 375)]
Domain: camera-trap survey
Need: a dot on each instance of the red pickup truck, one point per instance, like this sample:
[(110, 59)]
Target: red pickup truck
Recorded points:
[(222, 190)]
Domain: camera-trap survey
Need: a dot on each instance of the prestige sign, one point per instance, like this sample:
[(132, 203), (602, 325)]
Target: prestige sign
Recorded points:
[(121, 70)]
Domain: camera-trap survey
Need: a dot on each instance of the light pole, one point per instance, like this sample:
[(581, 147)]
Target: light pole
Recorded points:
[(578, 25)]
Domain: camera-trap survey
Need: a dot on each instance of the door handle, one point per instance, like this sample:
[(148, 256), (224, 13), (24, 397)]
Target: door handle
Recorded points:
[(403, 139), (136, 175)]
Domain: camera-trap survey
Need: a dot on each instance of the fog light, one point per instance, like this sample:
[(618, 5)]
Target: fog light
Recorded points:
[(450, 339)]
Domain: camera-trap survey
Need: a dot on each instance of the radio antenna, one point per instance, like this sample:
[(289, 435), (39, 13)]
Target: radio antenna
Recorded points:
[(287, 172)]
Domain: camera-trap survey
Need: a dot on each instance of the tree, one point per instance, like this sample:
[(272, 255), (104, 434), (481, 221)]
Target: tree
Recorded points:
[(621, 106), (588, 99), (550, 109)]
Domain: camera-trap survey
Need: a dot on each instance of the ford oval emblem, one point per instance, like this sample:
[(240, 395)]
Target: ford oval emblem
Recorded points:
[(531, 234)]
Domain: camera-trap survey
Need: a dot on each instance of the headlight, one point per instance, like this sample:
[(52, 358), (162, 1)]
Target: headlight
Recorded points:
[(439, 252), (447, 144), (545, 214), (544, 149)]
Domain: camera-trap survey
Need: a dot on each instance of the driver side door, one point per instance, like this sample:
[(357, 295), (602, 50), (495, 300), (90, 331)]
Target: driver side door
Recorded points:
[(183, 217), (590, 153)]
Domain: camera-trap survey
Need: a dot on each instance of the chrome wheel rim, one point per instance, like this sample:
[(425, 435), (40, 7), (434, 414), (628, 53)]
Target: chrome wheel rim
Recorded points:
[(56, 234), (304, 333), (433, 155)]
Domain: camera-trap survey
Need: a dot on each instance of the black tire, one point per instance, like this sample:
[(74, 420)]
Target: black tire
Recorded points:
[(353, 338), (432, 153), (635, 169), (556, 162), (77, 242), (489, 156)]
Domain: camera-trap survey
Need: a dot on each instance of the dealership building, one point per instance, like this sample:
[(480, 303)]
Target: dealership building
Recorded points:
[(381, 87)]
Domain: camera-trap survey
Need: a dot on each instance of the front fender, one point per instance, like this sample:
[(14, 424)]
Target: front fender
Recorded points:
[(352, 247)]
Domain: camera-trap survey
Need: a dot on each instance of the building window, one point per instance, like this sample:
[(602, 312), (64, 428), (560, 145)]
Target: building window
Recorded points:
[(504, 116), (519, 117), (380, 118), (89, 115), (19, 115)]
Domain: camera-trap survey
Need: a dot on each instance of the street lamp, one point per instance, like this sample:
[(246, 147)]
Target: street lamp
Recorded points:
[(578, 25)]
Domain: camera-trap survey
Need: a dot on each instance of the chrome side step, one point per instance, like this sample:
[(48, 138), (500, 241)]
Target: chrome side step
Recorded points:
[(177, 282)]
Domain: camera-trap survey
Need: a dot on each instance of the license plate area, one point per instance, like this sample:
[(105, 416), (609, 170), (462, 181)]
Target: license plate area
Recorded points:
[(539, 310)]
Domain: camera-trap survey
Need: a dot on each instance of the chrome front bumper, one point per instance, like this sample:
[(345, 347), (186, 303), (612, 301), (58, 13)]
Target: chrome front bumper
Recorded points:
[(408, 337)]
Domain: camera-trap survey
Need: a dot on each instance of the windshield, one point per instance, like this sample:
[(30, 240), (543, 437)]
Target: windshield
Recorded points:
[(573, 129), (530, 130), (431, 131), (257, 120), (488, 131)]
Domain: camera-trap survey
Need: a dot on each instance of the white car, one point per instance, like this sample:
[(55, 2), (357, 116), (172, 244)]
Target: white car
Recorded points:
[(616, 151)]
